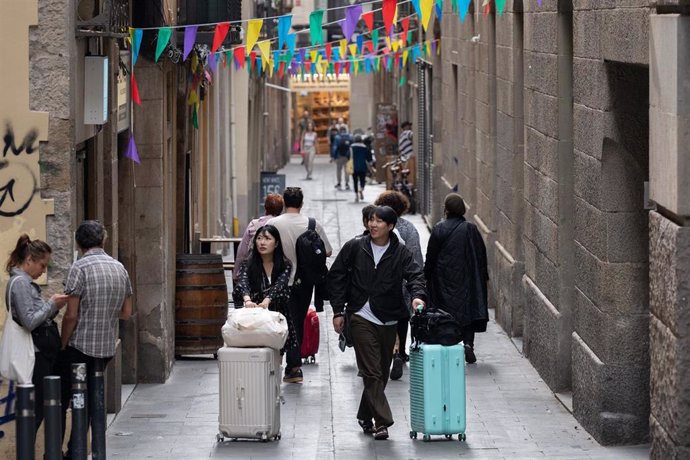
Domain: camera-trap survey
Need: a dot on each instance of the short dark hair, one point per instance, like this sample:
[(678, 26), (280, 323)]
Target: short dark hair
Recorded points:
[(386, 214), (395, 200), (273, 204), (406, 124), (293, 197), (90, 234), (367, 211)]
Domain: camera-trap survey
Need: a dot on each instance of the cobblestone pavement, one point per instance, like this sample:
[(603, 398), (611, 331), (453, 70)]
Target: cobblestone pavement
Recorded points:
[(511, 413)]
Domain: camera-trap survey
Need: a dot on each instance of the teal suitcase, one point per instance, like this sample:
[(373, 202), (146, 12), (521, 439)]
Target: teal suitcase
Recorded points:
[(437, 391)]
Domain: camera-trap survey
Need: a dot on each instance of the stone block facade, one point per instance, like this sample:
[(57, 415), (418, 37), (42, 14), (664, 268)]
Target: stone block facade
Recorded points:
[(546, 132)]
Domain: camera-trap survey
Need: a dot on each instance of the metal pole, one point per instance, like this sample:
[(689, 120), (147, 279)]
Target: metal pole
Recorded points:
[(52, 410), (97, 409), (80, 417), (26, 422)]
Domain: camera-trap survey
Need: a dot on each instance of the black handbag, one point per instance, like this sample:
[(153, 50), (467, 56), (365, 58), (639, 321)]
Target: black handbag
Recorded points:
[(47, 339), (435, 326)]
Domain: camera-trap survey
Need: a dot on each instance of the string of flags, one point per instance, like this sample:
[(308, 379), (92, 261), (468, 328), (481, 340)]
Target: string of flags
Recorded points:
[(364, 52)]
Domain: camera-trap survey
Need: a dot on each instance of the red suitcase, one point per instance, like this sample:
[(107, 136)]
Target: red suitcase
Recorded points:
[(310, 338)]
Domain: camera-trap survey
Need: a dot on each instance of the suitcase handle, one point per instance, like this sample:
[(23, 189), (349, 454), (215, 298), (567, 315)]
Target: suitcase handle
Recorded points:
[(240, 397)]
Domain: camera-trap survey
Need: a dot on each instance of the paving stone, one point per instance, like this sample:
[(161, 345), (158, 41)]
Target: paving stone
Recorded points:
[(512, 414)]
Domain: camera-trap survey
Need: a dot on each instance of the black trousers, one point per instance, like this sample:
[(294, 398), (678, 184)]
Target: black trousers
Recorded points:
[(361, 178), (43, 367), (374, 352), (63, 367), (468, 337), (300, 298), (403, 326)]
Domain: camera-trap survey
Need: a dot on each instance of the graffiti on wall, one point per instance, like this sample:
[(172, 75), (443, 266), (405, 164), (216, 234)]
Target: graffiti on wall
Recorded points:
[(18, 184)]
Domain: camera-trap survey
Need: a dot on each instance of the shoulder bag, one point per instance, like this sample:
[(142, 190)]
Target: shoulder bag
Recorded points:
[(16, 348)]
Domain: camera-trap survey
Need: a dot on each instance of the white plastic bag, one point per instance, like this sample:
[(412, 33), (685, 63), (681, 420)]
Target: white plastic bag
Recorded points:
[(16, 349), (255, 327)]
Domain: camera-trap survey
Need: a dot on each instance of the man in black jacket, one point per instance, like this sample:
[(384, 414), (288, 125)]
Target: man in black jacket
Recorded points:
[(367, 276)]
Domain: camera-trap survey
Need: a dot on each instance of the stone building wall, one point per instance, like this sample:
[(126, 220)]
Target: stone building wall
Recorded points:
[(549, 150)]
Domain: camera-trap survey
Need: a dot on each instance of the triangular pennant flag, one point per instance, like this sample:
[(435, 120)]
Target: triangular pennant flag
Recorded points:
[(405, 54), (347, 67), (487, 7), (355, 65), (368, 19), (436, 47), (538, 2), (336, 68), (239, 54), (353, 49), (360, 43), (135, 91), (270, 68), (313, 55), (193, 97), (135, 37), (500, 6), (369, 46), (260, 63), (281, 70), (329, 51), (302, 55), (226, 58), (389, 7), (253, 31), (375, 39), (252, 59), (454, 5), (405, 23), (439, 10), (463, 7), (162, 41), (195, 117), (349, 24), (336, 54), (132, 153), (388, 42), (343, 48), (402, 81), (427, 48), (276, 59), (213, 62), (291, 40), (378, 63), (219, 35), (417, 9), (315, 30), (367, 66), (426, 6), (284, 24), (396, 45), (265, 50)]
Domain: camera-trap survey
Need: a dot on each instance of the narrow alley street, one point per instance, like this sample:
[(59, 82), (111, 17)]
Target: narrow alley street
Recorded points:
[(511, 412)]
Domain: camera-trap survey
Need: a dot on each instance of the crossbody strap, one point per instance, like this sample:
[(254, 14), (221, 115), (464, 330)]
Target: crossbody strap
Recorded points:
[(8, 299)]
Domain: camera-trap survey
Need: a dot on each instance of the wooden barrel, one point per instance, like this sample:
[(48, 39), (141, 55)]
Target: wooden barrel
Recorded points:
[(201, 304)]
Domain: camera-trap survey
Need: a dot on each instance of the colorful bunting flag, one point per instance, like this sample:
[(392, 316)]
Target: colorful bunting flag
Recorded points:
[(291, 41), (375, 39), (284, 24), (329, 51), (343, 48), (213, 62), (135, 36), (417, 9), (439, 10), (162, 41), (315, 30), (404, 56), (463, 7), (219, 35), (239, 54), (500, 6), (349, 24), (389, 9), (135, 91), (253, 31), (426, 6), (405, 23), (368, 19), (265, 50), (132, 153), (360, 43), (353, 49), (195, 117)]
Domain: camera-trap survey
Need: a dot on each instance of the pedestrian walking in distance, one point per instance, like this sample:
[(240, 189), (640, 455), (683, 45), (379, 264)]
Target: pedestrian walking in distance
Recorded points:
[(361, 158), (291, 225), (341, 154), (456, 272), (308, 146), (410, 236), (28, 261), (366, 281)]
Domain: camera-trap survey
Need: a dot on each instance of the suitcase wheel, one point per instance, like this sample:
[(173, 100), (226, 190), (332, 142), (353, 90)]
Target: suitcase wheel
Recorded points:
[(462, 437), (427, 438), (220, 438), (413, 435), (264, 438), (277, 437), (449, 436)]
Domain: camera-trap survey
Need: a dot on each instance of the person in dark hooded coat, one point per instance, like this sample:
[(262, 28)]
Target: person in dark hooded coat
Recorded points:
[(456, 272)]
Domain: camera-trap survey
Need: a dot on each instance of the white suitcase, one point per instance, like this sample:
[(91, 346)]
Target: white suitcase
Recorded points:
[(249, 393)]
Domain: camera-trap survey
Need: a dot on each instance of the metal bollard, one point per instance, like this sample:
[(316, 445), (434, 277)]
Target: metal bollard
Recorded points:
[(26, 422), (97, 410), (80, 414), (52, 410)]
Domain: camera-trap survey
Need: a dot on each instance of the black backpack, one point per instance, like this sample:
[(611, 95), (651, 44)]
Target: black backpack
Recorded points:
[(344, 145), (311, 256), (435, 326)]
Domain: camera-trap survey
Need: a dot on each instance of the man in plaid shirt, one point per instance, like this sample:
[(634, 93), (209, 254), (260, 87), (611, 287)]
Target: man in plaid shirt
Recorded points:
[(100, 294)]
